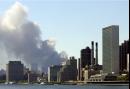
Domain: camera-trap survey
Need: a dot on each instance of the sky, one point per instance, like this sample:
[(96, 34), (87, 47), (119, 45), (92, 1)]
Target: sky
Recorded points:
[(73, 24)]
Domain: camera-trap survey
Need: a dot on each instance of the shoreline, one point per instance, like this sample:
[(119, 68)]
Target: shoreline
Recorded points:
[(82, 84)]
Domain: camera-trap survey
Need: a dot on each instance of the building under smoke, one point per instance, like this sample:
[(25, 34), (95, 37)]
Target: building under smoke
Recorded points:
[(14, 71), (69, 71), (52, 73), (21, 39), (34, 68)]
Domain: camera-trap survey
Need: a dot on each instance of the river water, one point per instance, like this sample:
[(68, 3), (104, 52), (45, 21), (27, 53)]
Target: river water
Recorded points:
[(34, 86)]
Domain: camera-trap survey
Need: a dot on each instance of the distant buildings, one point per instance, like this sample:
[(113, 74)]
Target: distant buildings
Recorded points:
[(87, 60), (14, 71), (110, 38), (86, 68), (32, 77), (34, 67), (52, 72), (69, 71), (91, 71), (124, 50), (2, 74)]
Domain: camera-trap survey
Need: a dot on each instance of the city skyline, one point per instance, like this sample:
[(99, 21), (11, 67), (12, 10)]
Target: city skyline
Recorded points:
[(68, 22)]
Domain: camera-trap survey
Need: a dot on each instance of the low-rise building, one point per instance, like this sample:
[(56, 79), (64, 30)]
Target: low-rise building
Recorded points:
[(96, 78)]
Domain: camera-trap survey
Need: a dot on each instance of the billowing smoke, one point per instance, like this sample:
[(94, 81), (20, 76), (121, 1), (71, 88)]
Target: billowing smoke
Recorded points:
[(21, 39)]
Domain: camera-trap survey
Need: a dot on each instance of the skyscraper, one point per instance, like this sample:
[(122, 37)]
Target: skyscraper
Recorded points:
[(85, 60), (124, 50), (110, 42), (14, 71), (85, 57)]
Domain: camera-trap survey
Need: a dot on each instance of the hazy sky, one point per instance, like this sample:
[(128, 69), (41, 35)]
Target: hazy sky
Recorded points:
[(75, 23)]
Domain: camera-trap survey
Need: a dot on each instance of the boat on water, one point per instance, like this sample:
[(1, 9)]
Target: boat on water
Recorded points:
[(9, 82), (42, 83)]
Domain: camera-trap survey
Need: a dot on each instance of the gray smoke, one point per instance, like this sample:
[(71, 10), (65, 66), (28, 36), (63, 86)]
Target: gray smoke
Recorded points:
[(21, 39)]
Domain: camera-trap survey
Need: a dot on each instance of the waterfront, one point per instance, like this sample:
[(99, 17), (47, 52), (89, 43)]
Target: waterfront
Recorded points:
[(37, 86), (28, 60)]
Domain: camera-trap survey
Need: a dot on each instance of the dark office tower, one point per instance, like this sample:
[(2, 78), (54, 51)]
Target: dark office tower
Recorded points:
[(96, 53), (78, 78), (85, 60), (14, 71), (124, 50), (92, 53), (85, 57)]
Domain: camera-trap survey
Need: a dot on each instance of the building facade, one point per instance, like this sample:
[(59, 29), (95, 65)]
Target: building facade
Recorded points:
[(14, 71), (79, 69), (124, 50), (110, 38), (85, 57), (85, 60), (52, 73), (69, 71)]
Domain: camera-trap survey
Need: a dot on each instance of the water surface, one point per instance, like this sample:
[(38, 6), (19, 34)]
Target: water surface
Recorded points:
[(35, 86)]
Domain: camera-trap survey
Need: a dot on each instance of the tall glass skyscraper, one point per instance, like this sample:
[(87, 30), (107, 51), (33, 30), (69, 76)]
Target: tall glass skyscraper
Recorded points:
[(110, 48)]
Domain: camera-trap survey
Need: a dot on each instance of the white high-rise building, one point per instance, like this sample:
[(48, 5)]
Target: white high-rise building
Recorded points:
[(110, 48)]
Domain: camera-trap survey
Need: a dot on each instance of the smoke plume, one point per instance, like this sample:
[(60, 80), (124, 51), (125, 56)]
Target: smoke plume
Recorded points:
[(21, 39)]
